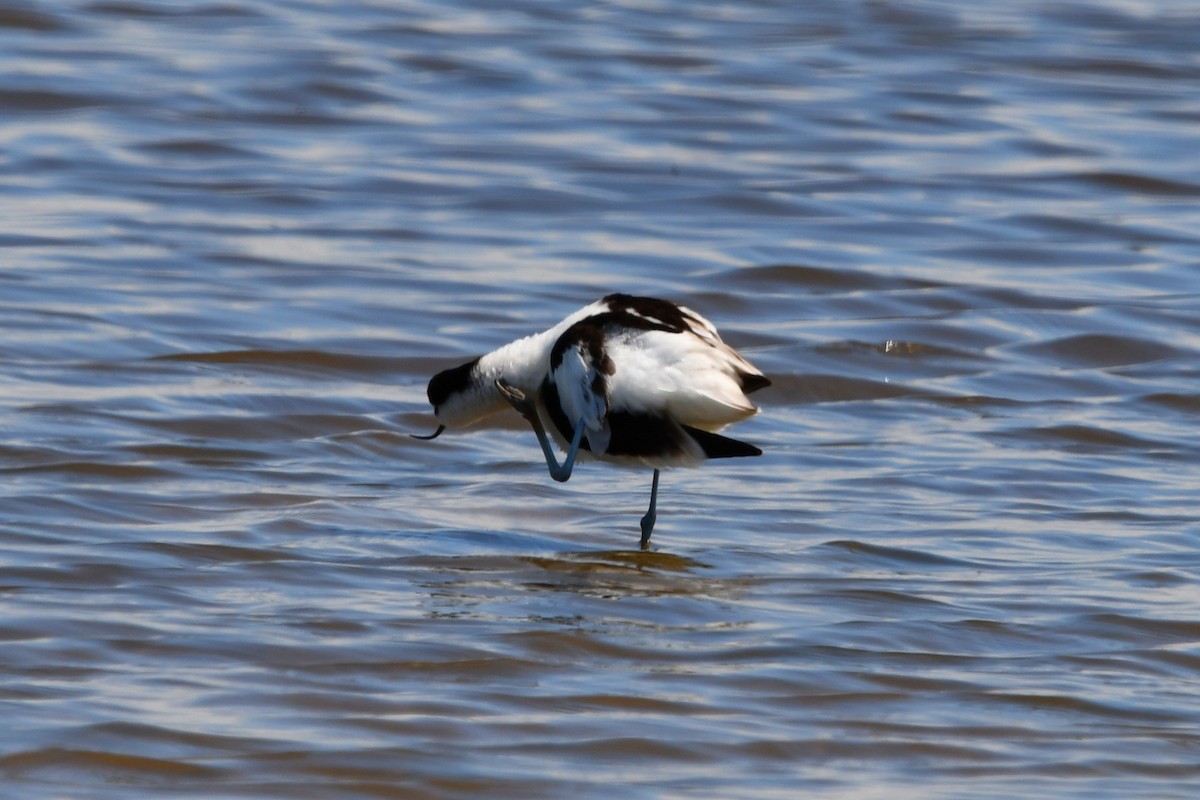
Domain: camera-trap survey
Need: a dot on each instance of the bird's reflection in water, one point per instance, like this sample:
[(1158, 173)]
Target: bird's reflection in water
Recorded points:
[(496, 580)]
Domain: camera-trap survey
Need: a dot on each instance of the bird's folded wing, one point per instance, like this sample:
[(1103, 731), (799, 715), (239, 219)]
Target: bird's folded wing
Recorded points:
[(582, 393), (678, 376)]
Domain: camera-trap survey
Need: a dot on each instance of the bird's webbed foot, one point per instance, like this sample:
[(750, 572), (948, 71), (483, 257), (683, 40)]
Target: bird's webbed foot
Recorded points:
[(647, 528)]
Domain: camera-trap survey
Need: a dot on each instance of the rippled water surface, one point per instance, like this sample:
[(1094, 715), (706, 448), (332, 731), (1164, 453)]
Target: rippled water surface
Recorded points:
[(963, 241)]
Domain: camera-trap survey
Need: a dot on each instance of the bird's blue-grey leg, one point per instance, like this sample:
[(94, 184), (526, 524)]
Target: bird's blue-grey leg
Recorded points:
[(560, 472), (518, 400), (648, 520)]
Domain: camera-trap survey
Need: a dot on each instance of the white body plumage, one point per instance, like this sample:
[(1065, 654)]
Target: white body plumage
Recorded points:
[(631, 380)]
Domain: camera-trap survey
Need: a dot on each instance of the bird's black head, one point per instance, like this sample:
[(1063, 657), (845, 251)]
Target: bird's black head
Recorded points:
[(460, 396), (448, 383)]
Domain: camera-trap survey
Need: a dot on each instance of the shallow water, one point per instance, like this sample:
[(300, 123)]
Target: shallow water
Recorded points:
[(240, 237)]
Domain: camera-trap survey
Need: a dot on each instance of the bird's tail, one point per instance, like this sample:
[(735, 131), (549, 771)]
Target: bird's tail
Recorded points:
[(715, 445)]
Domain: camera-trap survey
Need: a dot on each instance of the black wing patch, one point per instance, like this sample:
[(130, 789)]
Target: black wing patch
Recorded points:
[(589, 333), (645, 435), (646, 313)]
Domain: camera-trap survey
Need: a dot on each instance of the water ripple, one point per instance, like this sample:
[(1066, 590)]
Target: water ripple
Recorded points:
[(960, 239)]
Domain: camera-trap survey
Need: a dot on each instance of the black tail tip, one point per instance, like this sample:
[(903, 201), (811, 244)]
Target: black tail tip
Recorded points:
[(752, 382), (715, 445)]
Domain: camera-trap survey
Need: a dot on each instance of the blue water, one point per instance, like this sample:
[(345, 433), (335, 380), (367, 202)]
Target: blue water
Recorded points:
[(239, 238)]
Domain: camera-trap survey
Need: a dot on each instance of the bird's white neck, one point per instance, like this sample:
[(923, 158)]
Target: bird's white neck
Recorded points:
[(523, 364)]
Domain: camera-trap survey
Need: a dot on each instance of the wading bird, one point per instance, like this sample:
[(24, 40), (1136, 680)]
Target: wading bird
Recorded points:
[(634, 381)]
